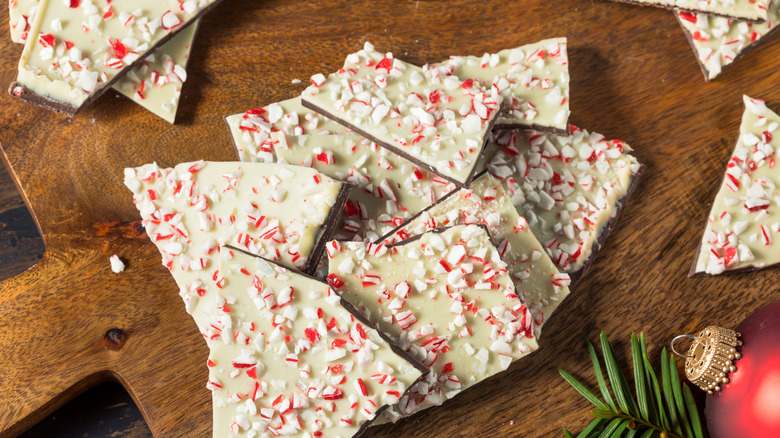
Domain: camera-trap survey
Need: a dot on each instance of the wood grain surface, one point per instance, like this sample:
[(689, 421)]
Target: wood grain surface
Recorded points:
[(633, 77)]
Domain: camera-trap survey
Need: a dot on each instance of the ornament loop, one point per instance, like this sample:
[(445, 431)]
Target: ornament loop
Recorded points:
[(676, 338)]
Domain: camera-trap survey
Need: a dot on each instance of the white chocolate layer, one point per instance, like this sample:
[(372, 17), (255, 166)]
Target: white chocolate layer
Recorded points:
[(251, 130), (73, 51), (420, 113), (287, 359), (567, 187), (537, 280), (534, 80), (191, 211), (718, 41), (743, 228), (448, 299)]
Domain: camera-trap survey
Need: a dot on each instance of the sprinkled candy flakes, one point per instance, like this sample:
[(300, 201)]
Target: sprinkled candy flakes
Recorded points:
[(447, 298), (288, 359), (750, 10), (534, 80), (155, 83), (719, 41), (251, 130), (387, 189), (436, 121), (743, 225), (536, 278), (190, 212), (75, 49), (570, 189)]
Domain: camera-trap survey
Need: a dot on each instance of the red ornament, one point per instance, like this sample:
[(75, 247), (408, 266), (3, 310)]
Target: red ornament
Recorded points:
[(748, 406)]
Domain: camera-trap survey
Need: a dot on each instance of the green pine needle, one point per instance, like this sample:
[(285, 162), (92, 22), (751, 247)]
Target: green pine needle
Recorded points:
[(652, 409)]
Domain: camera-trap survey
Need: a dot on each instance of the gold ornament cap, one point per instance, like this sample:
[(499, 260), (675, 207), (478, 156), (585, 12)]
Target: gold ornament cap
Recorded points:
[(710, 357)]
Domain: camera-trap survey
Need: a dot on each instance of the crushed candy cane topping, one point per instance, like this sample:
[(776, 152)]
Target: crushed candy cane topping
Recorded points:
[(743, 225), (419, 113), (568, 188), (536, 278), (387, 189), (287, 359), (534, 80), (718, 41), (192, 211), (447, 298)]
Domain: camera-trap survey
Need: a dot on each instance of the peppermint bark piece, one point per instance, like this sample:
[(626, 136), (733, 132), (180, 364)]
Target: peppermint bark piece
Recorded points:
[(436, 121), (536, 278), (251, 130), (287, 358), (570, 189), (533, 79), (746, 10), (388, 189), (447, 298), (718, 41), (282, 213), (742, 229), (75, 50), (155, 83)]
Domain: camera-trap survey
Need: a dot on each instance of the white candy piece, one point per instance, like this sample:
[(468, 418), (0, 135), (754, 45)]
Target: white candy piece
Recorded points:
[(117, 265)]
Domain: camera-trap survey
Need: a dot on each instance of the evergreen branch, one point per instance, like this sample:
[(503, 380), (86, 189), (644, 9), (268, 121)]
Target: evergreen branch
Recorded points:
[(666, 409)]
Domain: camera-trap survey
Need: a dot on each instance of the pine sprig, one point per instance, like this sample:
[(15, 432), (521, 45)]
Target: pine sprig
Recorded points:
[(664, 409)]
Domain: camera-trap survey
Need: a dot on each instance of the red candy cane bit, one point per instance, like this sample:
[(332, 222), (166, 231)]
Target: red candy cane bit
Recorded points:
[(46, 40), (311, 334), (688, 16), (119, 49), (361, 386), (332, 393), (385, 63), (335, 282)]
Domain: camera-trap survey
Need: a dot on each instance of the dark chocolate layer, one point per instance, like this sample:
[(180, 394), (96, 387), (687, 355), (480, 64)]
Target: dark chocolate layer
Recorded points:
[(327, 229)]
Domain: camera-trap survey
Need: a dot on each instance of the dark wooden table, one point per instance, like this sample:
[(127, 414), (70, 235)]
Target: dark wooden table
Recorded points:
[(104, 411), (633, 77)]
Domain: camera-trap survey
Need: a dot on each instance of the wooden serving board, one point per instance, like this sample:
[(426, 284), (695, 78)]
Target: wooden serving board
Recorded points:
[(70, 322)]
